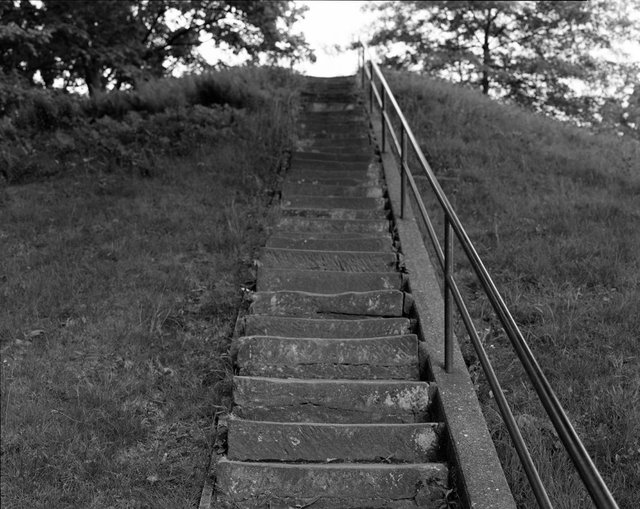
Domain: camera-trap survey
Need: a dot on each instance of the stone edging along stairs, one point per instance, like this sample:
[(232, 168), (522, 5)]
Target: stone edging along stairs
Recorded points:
[(329, 407)]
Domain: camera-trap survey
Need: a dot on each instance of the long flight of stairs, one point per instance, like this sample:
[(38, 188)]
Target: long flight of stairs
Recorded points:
[(329, 409)]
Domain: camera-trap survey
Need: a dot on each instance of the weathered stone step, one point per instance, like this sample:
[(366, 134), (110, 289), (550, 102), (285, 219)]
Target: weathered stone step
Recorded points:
[(329, 213), (330, 132), (329, 98), (370, 176), (317, 442), (348, 153), (326, 105), (346, 123), (330, 486), (300, 224), (333, 115), (332, 92), (326, 202), (336, 157), (345, 243), (332, 401), (310, 144), (333, 180), (350, 261), (383, 358), (265, 325), (359, 145), (328, 136), (336, 169), (331, 235), (330, 170), (293, 189), (317, 305), (325, 281)]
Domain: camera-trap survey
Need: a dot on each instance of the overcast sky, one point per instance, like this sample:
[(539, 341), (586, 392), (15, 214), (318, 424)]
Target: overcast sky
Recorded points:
[(337, 23), (330, 23)]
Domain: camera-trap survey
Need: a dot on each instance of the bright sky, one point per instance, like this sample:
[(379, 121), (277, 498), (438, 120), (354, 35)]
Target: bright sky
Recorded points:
[(330, 23), (331, 26)]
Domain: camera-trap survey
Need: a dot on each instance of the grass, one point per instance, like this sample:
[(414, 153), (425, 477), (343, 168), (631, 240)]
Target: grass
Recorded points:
[(553, 211), (48, 132), (119, 290)]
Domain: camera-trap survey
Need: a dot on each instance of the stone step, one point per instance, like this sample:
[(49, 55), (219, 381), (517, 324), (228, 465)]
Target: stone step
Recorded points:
[(325, 281), (359, 145), (319, 130), (328, 96), (383, 358), (346, 443), (334, 157), (315, 305), (291, 189), (370, 176), (331, 235), (330, 104), (329, 213), (322, 146), (300, 224), (325, 202), (329, 486), (332, 94), (332, 401), (265, 325), (313, 178), (348, 123), (351, 112), (335, 168), (329, 136), (345, 243), (350, 261)]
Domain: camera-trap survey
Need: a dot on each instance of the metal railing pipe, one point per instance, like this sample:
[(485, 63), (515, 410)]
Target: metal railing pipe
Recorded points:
[(403, 171), (383, 119), (448, 308), (572, 443)]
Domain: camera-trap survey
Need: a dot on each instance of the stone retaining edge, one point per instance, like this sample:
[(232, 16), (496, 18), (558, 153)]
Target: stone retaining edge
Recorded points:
[(479, 477)]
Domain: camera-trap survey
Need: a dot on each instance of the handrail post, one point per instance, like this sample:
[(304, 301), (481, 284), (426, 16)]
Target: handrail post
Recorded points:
[(371, 85), (448, 307), (403, 166), (362, 61), (382, 119)]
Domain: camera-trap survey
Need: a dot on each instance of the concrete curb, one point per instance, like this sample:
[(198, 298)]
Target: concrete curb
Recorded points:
[(479, 477)]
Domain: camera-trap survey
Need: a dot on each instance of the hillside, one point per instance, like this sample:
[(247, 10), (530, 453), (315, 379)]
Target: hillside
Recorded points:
[(554, 212), (128, 229), (128, 225)]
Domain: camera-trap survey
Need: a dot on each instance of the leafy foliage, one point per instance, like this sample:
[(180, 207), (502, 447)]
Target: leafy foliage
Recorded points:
[(540, 54), (121, 42), (553, 211), (50, 132)]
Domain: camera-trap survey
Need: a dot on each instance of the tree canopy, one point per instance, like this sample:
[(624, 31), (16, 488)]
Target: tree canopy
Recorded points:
[(546, 55), (117, 42)]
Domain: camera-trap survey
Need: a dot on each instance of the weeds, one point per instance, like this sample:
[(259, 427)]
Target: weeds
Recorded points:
[(44, 133), (118, 295), (553, 211)]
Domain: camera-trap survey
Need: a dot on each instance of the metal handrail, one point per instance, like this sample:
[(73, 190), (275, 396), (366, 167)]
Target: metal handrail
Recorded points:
[(589, 474)]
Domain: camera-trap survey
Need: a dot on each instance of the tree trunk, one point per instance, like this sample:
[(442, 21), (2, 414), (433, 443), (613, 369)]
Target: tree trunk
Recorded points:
[(486, 55), (93, 79)]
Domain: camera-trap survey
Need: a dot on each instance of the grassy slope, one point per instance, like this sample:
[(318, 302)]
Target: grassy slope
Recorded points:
[(554, 213), (119, 289)]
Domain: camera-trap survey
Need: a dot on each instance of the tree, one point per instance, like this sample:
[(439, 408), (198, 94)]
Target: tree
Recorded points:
[(117, 42), (539, 54)]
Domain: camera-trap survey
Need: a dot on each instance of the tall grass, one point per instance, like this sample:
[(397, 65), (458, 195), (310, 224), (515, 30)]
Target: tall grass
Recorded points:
[(554, 212), (45, 132), (118, 296)]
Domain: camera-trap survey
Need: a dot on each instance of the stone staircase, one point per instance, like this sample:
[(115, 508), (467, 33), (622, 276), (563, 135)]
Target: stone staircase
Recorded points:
[(329, 408)]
